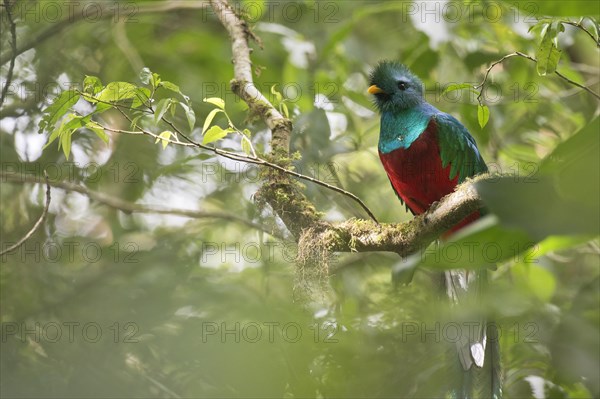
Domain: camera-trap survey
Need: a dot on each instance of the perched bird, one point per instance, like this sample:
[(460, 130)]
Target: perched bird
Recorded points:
[(426, 154)]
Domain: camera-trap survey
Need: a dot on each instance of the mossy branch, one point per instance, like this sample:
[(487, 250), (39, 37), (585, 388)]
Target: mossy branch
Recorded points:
[(357, 235)]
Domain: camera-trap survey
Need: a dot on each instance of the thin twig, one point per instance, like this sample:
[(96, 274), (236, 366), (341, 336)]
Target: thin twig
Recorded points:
[(37, 224), (13, 46), (519, 54), (578, 85), (580, 26)]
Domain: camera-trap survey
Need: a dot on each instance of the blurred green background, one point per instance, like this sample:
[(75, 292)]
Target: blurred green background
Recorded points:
[(104, 303)]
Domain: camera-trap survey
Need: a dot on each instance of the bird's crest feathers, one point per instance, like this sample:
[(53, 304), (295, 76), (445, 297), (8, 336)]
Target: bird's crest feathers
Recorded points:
[(395, 87)]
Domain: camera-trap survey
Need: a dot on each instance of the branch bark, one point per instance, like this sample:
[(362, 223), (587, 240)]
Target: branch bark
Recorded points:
[(403, 238)]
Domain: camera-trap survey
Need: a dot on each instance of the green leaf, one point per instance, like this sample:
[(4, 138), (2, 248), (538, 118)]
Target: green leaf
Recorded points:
[(561, 198), (219, 102), (483, 115), (548, 54), (74, 121), (163, 138), (246, 145), (457, 86), (65, 141), (155, 80), (557, 243), (161, 108), (96, 128), (483, 243), (58, 109), (173, 87), (92, 85), (209, 118), (190, 115), (117, 91), (592, 27), (71, 123), (535, 279), (101, 107), (215, 133), (142, 95), (53, 136), (170, 86), (285, 110), (539, 25), (145, 75), (277, 94)]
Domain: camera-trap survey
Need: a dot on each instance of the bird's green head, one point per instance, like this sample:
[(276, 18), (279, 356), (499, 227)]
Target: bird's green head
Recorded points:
[(395, 87)]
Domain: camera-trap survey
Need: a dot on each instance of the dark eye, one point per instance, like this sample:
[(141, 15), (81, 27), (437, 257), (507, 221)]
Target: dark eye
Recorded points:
[(402, 85)]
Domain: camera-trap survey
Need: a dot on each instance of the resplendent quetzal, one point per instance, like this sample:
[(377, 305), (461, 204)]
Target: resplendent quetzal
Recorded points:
[(426, 153)]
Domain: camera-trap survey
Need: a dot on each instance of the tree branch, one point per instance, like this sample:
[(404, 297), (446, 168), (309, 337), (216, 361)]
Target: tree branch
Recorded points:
[(36, 225), (403, 238), (580, 26), (129, 207), (353, 235), (530, 58)]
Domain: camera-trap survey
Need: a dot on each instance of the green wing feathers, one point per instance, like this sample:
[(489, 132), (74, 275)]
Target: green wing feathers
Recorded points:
[(458, 148)]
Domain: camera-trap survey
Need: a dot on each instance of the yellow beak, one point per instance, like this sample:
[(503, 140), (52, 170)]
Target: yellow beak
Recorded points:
[(374, 90)]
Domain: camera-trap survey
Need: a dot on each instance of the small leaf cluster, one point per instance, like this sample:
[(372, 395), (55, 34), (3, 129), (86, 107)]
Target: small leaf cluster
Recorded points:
[(547, 55), (140, 106), (215, 133)]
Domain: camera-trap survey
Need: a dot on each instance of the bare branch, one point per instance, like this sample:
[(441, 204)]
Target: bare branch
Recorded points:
[(530, 58), (129, 207), (583, 28), (36, 225)]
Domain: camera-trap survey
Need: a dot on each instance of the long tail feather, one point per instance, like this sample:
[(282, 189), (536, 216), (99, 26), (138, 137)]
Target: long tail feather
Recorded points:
[(478, 348)]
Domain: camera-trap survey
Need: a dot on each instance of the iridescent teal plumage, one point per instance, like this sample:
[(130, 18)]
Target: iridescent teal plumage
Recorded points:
[(405, 115)]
